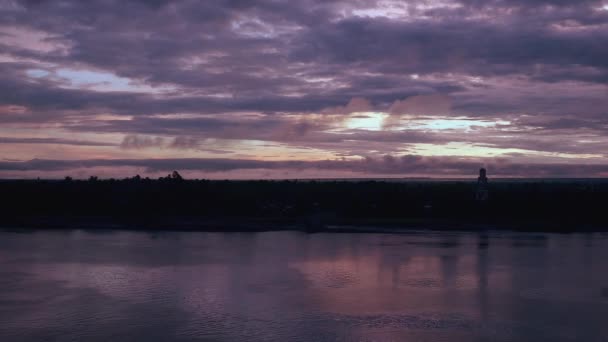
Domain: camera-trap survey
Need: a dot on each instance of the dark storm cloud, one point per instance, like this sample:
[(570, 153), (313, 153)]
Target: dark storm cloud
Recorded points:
[(52, 99), (258, 63), (470, 47)]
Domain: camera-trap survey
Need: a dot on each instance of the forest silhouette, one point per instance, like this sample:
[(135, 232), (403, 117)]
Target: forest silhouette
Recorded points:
[(173, 202)]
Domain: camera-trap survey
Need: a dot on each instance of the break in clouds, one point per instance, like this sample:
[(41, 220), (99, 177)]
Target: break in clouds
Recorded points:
[(305, 88)]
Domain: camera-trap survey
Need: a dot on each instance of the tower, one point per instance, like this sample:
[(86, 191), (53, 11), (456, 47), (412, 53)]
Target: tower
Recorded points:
[(481, 192)]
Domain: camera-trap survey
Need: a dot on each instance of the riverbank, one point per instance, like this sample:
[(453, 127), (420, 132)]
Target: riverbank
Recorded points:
[(525, 205)]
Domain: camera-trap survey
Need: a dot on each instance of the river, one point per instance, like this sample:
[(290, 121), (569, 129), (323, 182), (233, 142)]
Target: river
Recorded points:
[(79, 285)]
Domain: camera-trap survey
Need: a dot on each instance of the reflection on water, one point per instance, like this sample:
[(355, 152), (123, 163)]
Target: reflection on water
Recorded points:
[(79, 285)]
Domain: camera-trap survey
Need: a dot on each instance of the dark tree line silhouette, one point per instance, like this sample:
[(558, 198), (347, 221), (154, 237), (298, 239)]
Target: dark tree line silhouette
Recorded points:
[(539, 204)]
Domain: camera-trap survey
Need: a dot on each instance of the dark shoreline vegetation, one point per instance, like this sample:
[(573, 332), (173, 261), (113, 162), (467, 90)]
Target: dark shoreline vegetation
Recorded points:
[(173, 203)]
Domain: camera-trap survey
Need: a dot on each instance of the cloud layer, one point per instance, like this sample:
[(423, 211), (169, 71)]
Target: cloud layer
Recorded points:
[(304, 82)]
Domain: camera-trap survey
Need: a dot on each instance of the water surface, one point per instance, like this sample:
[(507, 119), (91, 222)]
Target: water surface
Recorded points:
[(279, 286)]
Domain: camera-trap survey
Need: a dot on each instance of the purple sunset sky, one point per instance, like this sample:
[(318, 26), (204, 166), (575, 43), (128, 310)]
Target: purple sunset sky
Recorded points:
[(301, 89)]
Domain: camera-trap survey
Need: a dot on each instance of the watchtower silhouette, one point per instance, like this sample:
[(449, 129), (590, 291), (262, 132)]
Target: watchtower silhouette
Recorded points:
[(481, 192)]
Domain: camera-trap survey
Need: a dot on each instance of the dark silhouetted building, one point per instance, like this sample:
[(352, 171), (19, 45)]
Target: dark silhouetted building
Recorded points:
[(481, 192)]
